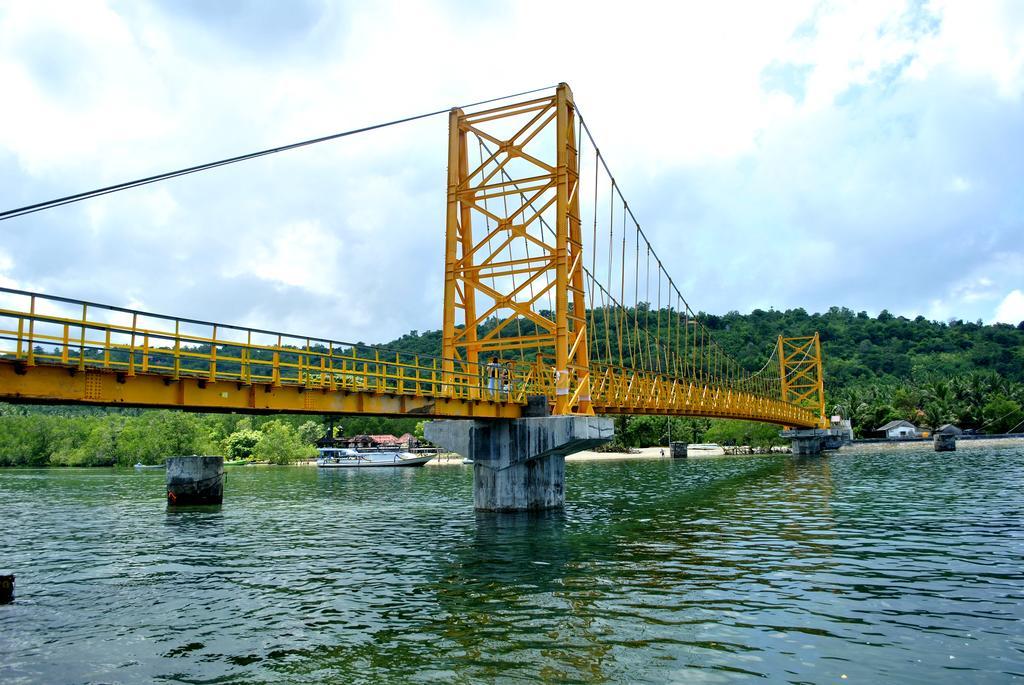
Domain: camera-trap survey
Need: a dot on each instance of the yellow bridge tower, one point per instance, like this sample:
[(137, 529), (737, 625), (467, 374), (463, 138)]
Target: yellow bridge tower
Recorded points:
[(512, 237)]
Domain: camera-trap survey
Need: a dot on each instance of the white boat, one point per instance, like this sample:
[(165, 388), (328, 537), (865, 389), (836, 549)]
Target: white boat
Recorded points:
[(148, 467), (707, 449), (344, 457)]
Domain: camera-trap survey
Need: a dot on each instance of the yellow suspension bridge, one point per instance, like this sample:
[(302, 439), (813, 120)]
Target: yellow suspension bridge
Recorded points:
[(551, 290)]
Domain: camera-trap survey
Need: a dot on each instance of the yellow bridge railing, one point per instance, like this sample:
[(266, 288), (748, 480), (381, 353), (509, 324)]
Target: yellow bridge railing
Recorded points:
[(55, 349), (41, 330)]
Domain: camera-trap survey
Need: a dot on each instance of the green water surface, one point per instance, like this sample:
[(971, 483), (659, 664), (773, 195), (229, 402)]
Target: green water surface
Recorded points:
[(902, 567)]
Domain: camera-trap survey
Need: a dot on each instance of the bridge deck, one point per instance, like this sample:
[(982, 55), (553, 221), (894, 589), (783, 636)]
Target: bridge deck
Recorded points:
[(56, 350)]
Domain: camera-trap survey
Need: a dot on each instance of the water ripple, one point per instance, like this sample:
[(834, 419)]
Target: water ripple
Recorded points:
[(903, 567)]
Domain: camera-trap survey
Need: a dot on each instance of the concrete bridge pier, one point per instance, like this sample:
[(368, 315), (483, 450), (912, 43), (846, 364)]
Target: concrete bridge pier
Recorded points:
[(519, 464), (814, 440), (195, 480)]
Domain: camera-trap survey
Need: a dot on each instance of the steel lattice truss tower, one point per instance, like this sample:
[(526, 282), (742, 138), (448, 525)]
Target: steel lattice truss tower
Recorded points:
[(801, 374), (513, 242)]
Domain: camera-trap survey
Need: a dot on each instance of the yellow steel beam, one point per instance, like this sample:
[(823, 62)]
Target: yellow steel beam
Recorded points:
[(515, 186), (801, 377), (61, 385), (618, 391)]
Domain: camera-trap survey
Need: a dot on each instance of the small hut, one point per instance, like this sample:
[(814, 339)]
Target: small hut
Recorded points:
[(897, 430)]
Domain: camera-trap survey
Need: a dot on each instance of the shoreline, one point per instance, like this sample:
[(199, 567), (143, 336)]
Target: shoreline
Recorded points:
[(590, 455), (656, 452), (452, 459), (927, 445)]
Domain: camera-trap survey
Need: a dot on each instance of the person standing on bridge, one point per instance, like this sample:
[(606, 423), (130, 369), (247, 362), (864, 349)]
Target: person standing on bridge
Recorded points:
[(506, 380), (493, 370)]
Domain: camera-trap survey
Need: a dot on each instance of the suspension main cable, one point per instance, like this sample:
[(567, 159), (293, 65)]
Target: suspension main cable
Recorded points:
[(78, 197)]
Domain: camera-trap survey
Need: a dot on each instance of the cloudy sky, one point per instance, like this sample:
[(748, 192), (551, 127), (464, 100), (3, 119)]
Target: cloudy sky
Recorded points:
[(794, 154)]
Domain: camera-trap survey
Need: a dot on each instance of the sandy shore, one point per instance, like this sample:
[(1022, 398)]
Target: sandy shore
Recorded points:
[(641, 453), (586, 455), (663, 453), (452, 459), (927, 445)]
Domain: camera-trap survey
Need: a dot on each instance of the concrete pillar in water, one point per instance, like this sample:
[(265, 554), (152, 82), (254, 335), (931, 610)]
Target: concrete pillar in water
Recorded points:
[(519, 464), (195, 480), (6, 588), (945, 442), (806, 445), (808, 441)]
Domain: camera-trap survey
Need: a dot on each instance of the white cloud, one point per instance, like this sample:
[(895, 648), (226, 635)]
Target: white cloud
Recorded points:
[(300, 254), (6, 264), (1011, 309), (981, 39), (787, 154)]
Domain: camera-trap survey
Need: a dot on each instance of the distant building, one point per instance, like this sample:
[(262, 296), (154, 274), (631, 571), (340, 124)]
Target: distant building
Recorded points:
[(895, 430), (364, 441), (950, 429)]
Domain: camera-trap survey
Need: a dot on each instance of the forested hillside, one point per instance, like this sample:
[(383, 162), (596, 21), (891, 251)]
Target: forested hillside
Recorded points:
[(858, 347), (876, 368)]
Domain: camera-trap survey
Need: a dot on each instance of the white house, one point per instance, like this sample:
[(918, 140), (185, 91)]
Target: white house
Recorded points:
[(894, 430)]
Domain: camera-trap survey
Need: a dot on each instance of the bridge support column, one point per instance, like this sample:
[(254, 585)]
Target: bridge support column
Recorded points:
[(814, 440), (519, 464), (195, 480)]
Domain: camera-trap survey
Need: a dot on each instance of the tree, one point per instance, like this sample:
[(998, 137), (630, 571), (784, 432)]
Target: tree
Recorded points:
[(101, 446), (752, 433), (153, 436), (936, 414), (241, 443), (310, 432), (1001, 414), (694, 429), (644, 431), (279, 443)]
